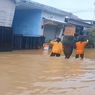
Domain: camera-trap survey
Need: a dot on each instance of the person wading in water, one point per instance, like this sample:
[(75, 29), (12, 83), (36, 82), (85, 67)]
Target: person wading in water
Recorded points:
[(80, 48), (57, 47)]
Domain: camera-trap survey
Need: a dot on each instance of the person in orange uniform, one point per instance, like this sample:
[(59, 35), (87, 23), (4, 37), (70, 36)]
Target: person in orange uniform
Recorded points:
[(80, 47), (57, 47)]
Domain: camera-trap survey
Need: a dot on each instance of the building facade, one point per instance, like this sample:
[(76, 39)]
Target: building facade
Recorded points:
[(25, 24)]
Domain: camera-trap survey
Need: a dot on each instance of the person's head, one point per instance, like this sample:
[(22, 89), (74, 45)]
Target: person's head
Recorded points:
[(58, 39), (81, 39)]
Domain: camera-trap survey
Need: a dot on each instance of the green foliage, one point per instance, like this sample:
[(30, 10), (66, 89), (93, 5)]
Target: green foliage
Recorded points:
[(93, 32), (91, 37)]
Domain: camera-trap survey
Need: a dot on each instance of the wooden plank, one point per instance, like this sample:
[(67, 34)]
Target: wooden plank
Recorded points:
[(69, 30)]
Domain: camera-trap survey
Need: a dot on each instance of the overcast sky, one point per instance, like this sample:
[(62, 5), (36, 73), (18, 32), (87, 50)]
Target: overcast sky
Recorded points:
[(82, 8)]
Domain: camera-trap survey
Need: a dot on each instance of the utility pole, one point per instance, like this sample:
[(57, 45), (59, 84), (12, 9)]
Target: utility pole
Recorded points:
[(93, 13)]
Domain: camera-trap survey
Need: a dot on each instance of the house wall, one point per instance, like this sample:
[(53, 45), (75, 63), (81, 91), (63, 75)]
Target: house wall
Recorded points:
[(27, 22), (7, 9), (49, 32)]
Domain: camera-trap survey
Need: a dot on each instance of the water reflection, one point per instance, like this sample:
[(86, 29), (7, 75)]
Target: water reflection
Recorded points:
[(33, 73)]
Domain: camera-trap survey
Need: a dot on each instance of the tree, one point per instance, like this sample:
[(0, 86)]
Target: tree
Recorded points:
[(91, 37)]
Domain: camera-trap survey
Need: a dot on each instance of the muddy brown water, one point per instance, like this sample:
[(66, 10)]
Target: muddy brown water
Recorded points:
[(35, 73)]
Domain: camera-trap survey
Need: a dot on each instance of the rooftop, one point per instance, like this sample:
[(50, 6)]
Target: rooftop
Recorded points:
[(27, 4)]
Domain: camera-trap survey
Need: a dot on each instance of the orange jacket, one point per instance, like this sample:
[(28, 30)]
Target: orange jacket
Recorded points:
[(80, 47), (57, 47)]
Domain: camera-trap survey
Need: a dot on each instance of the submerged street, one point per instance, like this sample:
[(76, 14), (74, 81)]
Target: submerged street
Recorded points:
[(36, 73)]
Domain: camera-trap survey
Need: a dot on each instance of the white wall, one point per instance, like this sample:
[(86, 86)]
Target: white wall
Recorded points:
[(7, 9), (53, 17)]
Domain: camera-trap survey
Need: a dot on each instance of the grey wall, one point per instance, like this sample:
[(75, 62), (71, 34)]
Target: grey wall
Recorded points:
[(7, 9), (51, 32)]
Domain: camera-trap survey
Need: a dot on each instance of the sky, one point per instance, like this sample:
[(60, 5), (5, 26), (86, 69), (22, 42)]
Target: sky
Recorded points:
[(84, 9)]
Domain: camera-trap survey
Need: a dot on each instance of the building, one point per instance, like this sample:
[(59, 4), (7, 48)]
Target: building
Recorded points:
[(25, 24), (7, 10)]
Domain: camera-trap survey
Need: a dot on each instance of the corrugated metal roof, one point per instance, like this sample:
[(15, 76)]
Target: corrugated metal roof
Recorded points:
[(78, 22)]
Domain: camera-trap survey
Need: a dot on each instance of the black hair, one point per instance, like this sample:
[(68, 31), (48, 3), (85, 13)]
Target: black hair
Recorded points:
[(58, 39)]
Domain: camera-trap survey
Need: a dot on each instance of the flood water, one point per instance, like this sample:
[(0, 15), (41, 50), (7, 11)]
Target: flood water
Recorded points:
[(35, 73)]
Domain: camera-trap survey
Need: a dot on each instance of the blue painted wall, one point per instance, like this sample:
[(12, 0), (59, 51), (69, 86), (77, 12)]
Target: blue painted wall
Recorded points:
[(28, 22)]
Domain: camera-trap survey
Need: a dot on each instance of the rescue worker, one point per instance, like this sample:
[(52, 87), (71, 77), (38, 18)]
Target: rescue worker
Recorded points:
[(80, 47), (57, 47)]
